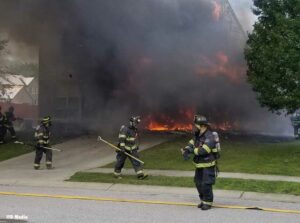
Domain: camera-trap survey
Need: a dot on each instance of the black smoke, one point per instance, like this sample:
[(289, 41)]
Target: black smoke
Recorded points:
[(136, 57)]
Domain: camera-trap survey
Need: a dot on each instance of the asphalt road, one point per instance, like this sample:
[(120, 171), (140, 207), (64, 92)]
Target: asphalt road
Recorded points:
[(46, 209)]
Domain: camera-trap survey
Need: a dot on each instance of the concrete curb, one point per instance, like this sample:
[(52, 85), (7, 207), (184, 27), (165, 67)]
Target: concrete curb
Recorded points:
[(180, 173), (180, 190)]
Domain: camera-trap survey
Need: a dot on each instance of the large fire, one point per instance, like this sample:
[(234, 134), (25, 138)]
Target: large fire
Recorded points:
[(183, 122), (155, 126), (220, 65), (162, 122)]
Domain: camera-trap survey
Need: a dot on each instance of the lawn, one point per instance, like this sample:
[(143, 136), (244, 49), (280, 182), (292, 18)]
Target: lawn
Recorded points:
[(10, 150), (238, 155), (222, 183)]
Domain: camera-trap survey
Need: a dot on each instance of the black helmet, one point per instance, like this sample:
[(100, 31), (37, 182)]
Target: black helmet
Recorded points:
[(134, 120), (46, 120), (200, 120)]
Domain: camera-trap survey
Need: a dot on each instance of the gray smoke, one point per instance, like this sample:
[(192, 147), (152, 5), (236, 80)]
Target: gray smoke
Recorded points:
[(243, 10), (147, 57)]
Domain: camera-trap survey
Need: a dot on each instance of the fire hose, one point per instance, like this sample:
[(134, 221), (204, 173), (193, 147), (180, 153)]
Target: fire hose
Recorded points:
[(118, 149), (43, 147)]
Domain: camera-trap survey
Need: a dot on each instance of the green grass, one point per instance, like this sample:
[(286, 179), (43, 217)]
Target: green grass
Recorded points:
[(10, 150), (237, 156), (222, 183)]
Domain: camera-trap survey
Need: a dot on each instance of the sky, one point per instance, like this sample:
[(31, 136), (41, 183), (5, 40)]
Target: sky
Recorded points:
[(244, 13)]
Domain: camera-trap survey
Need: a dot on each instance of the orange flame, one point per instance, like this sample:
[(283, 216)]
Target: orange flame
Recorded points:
[(177, 126), (162, 122), (155, 126), (182, 122), (217, 10), (221, 66)]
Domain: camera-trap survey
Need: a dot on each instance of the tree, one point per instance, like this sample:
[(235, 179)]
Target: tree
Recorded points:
[(273, 54)]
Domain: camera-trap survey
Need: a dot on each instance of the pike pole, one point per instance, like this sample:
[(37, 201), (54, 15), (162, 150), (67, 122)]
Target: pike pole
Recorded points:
[(113, 146), (44, 147)]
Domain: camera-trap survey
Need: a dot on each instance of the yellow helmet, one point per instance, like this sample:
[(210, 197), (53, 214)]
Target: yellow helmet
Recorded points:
[(46, 120)]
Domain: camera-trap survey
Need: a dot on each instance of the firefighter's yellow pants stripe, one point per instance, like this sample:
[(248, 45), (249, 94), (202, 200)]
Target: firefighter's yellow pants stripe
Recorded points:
[(205, 165), (145, 202)]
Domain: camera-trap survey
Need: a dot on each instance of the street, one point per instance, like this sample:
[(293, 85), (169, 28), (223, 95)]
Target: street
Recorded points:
[(47, 209)]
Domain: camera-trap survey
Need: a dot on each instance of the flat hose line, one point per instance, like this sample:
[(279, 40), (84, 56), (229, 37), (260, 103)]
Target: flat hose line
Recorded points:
[(146, 202)]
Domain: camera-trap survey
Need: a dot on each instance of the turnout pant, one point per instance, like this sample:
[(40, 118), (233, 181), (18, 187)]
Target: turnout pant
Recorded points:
[(12, 131), (121, 158), (2, 133), (204, 179), (39, 155)]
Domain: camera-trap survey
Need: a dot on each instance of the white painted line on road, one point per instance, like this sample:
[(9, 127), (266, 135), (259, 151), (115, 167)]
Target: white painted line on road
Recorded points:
[(145, 202)]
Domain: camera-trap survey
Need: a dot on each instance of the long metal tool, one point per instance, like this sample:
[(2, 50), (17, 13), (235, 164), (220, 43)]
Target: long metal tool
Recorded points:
[(44, 147), (113, 146)]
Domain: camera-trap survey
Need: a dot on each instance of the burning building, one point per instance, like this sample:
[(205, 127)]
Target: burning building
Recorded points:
[(102, 61)]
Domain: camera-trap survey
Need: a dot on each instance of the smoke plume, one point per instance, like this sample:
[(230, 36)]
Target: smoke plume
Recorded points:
[(156, 58)]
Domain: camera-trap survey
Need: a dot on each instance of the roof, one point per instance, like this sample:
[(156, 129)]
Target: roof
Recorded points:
[(10, 92), (9, 79), (11, 85)]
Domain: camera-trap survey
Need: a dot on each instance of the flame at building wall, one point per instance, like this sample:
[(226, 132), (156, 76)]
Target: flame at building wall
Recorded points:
[(217, 10), (183, 121), (220, 65)]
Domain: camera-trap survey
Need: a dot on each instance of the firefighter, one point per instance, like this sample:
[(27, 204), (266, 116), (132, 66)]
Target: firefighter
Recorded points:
[(2, 127), (204, 146), (128, 142), (42, 136), (10, 118)]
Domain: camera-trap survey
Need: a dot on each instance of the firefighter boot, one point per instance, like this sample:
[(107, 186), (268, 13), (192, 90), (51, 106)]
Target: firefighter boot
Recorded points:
[(205, 207), (142, 176), (117, 175), (49, 165), (36, 166), (200, 205)]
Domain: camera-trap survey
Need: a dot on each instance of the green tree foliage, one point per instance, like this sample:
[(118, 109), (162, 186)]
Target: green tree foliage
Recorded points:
[(273, 54)]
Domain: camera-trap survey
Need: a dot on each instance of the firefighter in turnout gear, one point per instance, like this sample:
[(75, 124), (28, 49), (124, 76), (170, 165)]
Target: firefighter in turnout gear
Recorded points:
[(128, 142), (9, 119), (42, 136), (205, 147)]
